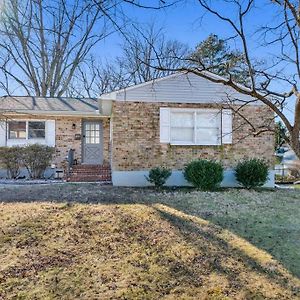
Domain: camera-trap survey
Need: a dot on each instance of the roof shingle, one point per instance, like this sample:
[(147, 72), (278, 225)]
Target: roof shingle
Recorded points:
[(58, 104)]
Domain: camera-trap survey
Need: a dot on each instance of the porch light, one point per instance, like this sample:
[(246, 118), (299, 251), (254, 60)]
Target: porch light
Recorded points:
[(74, 126)]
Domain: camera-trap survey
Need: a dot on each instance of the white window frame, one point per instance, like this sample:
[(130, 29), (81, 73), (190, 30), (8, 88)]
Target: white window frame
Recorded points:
[(194, 111), (27, 130)]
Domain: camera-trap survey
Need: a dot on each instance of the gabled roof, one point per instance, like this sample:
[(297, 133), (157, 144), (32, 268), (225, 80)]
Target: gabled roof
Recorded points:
[(180, 87), (58, 105)]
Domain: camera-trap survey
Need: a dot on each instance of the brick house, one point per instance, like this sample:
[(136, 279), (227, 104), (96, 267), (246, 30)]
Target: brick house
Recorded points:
[(166, 122)]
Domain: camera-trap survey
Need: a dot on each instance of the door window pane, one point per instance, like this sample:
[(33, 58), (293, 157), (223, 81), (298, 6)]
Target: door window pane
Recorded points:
[(92, 133), (36, 130), (17, 130)]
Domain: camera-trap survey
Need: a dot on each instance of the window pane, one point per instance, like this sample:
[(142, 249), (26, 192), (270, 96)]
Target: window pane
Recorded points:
[(36, 130), (182, 135), (207, 136), (208, 119), (182, 119), (17, 130)]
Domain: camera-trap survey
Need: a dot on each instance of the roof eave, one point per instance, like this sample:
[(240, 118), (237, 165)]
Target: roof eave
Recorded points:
[(93, 114)]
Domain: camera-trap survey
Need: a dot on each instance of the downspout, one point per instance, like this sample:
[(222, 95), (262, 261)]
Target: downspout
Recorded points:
[(106, 109), (111, 141)]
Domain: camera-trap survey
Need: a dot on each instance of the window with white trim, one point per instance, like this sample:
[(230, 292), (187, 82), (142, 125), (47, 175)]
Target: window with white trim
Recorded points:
[(26, 130), (195, 126)]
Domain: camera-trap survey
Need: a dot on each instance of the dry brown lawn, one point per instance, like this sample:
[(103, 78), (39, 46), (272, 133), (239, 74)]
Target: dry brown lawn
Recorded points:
[(130, 251)]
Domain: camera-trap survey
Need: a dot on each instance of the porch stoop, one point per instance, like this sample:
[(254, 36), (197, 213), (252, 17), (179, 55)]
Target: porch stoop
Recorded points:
[(90, 173)]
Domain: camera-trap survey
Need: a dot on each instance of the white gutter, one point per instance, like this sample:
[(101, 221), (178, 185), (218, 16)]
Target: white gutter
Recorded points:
[(92, 114)]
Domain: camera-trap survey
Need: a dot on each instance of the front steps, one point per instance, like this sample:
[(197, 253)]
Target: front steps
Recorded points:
[(90, 173)]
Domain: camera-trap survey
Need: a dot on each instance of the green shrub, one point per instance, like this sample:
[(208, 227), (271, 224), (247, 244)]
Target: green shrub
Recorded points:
[(204, 174), (158, 176), (252, 173), (36, 158), (10, 160)]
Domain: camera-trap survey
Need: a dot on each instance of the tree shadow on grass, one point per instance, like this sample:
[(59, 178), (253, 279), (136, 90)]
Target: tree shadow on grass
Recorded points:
[(196, 254), (222, 246), (272, 237)]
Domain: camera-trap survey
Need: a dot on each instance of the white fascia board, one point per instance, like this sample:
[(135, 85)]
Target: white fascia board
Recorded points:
[(254, 103), (109, 96)]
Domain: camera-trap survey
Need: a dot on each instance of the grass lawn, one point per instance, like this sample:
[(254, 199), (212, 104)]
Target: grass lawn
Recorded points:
[(91, 242)]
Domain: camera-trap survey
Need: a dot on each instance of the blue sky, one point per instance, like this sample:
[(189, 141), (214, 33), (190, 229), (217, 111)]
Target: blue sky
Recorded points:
[(188, 23), (182, 22)]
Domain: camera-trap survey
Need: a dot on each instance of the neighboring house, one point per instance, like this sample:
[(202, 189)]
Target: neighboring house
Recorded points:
[(289, 163), (166, 122)]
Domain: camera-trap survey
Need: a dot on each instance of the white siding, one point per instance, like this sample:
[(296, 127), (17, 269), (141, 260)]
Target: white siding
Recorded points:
[(179, 88)]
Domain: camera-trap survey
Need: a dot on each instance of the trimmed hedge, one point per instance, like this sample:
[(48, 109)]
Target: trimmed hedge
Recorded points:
[(252, 173), (204, 174)]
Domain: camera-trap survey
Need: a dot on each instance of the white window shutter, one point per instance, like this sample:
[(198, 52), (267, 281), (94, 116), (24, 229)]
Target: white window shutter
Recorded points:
[(2, 133), (50, 133), (226, 126), (164, 121)]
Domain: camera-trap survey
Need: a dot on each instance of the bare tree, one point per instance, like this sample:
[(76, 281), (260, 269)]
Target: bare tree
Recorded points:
[(43, 42), (139, 49), (275, 82), (93, 79), (282, 69), (142, 47)]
